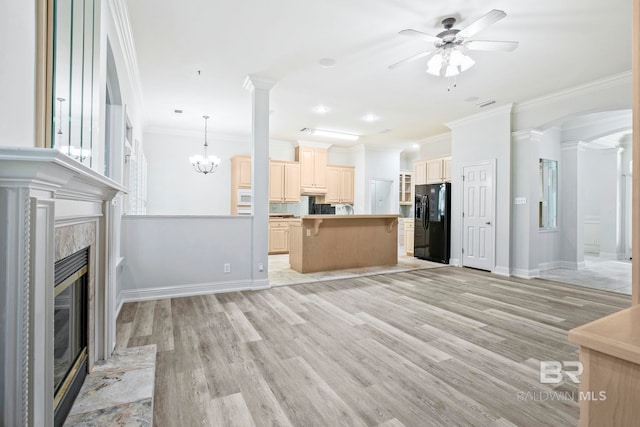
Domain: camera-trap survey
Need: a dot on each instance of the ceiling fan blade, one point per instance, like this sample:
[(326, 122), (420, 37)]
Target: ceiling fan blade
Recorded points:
[(409, 59), (421, 35), (481, 23), (492, 45)]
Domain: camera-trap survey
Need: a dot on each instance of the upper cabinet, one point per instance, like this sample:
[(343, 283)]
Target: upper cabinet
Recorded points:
[(432, 171), (241, 171), (404, 187), (284, 182), (313, 168), (340, 183)]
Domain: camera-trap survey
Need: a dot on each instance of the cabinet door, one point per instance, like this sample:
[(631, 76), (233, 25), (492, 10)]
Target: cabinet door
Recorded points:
[(320, 167), (420, 172), (434, 171), (276, 182), (291, 182), (347, 181), (279, 240), (408, 240), (244, 170), (333, 185), (446, 175), (306, 158)]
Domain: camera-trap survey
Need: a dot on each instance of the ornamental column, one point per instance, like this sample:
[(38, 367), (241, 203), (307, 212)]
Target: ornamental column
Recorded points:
[(259, 88)]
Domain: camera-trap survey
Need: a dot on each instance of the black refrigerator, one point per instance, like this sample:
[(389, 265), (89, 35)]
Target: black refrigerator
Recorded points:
[(432, 225)]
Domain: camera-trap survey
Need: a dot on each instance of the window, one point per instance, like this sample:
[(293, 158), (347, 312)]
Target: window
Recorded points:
[(548, 206)]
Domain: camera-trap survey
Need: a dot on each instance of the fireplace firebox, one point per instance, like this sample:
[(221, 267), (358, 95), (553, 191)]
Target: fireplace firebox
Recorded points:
[(70, 330)]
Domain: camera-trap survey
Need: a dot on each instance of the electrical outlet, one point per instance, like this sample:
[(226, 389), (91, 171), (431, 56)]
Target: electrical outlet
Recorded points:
[(261, 267), (227, 268)]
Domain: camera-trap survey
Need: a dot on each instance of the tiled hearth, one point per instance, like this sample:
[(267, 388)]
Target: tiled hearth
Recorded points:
[(118, 392)]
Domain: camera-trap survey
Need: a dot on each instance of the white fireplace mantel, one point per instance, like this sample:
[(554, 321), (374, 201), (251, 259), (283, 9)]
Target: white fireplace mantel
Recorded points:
[(41, 189)]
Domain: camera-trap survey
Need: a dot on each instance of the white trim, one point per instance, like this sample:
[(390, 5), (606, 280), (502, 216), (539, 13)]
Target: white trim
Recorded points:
[(191, 290), (507, 108), (611, 255), (260, 284), (455, 262), (585, 89), (525, 274), (544, 266), (501, 271)]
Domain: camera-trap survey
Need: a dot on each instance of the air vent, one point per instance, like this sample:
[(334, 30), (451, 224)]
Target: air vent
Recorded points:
[(385, 131), (177, 111), (485, 103)]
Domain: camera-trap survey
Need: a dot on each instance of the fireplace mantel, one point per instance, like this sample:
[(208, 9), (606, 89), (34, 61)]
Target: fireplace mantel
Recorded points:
[(42, 190)]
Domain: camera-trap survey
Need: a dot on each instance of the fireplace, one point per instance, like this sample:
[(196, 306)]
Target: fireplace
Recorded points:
[(70, 330)]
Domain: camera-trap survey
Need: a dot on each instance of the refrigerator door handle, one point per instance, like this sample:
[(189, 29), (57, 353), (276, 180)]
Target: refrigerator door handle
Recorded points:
[(425, 215)]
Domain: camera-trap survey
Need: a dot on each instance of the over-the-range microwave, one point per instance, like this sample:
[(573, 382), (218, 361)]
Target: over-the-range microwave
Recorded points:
[(245, 197)]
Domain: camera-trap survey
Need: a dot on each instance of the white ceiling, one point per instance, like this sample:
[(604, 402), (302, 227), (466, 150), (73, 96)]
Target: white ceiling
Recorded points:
[(562, 44)]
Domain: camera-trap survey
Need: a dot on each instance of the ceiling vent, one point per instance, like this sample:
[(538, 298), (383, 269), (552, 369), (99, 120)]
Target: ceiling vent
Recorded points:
[(485, 103)]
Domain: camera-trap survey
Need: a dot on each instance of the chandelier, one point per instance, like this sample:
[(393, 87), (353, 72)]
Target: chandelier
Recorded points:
[(206, 163)]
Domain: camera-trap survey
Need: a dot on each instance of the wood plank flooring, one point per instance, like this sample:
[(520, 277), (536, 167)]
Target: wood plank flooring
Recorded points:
[(438, 347)]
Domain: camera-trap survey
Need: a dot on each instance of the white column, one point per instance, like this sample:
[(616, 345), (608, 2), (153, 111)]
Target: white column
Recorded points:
[(259, 88), (571, 204)]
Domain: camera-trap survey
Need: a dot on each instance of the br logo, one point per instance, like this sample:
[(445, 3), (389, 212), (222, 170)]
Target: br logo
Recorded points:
[(552, 371)]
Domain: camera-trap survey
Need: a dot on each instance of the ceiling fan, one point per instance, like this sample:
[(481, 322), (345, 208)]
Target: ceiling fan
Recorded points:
[(449, 57)]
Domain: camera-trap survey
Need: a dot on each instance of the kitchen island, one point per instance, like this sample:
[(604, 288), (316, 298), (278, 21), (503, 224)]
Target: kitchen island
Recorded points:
[(335, 242)]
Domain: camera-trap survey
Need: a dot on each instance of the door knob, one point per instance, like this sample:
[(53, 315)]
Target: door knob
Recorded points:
[(488, 222)]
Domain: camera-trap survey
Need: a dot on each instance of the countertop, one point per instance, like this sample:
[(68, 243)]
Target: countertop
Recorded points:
[(617, 335), (350, 216)]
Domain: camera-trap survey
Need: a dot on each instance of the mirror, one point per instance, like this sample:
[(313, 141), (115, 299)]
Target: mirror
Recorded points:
[(548, 205), (73, 58)]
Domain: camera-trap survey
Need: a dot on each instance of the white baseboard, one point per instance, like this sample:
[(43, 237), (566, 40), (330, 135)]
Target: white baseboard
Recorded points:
[(544, 266), (191, 290), (525, 274), (454, 262), (119, 306), (501, 271), (260, 284), (611, 255)]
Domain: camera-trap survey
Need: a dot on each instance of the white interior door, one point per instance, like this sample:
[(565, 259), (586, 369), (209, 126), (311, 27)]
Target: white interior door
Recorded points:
[(478, 240)]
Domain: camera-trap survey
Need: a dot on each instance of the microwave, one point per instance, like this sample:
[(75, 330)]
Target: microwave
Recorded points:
[(245, 197)]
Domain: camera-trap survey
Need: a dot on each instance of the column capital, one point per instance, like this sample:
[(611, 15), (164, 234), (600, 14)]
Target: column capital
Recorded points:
[(253, 82)]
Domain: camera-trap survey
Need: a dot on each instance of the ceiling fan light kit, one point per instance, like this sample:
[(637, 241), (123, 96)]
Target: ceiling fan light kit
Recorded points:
[(449, 58)]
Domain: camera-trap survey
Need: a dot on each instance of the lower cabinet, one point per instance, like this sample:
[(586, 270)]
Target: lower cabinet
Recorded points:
[(408, 236), (278, 237)]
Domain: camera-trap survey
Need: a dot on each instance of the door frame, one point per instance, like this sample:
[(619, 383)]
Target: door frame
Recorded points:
[(493, 163)]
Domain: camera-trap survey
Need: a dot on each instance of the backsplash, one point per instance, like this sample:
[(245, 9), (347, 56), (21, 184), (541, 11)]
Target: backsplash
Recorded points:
[(285, 208)]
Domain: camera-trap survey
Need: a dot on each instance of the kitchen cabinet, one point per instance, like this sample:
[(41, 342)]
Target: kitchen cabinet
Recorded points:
[(241, 171), (420, 172), (340, 184), (284, 182), (408, 236), (313, 168), (279, 236), (439, 170), (240, 179), (432, 171), (405, 188)]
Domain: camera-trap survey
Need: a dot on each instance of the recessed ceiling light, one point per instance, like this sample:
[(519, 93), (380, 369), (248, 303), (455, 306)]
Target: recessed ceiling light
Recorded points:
[(331, 134), (321, 109), (416, 145), (327, 62), (370, 118)]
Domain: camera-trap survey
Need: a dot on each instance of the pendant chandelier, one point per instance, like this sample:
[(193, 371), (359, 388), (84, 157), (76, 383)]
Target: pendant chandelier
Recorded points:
[(205, 163)]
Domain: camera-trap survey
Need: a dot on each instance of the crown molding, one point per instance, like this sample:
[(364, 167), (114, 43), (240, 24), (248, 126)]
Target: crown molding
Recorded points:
[(507, 108), (230, 137), (584, 89)]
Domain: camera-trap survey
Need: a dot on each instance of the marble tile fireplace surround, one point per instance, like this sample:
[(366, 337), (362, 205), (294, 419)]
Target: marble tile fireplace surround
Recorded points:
[(50, 207)]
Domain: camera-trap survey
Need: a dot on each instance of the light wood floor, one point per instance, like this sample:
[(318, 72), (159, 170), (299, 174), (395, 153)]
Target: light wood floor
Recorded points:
[(445, 346)]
